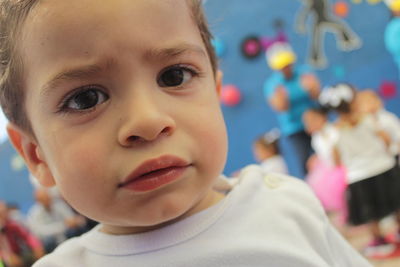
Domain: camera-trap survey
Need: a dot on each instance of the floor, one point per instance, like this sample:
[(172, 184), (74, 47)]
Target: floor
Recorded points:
[(359, 237)]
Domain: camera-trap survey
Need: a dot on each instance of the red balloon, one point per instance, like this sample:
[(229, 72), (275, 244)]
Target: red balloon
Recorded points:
[(230, 95), (388, 89)]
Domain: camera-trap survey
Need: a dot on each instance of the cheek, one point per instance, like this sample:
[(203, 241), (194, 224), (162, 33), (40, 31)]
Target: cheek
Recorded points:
[(211, 139), (76, 159)]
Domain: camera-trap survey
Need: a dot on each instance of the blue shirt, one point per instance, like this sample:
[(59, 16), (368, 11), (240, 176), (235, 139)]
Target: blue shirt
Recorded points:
[(290, 121)]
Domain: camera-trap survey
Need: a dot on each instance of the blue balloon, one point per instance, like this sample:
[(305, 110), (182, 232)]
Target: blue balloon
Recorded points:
[(392, 37), (219, 46)]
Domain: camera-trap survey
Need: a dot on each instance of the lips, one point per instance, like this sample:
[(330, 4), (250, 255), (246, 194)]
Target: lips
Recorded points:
[(155, 173)]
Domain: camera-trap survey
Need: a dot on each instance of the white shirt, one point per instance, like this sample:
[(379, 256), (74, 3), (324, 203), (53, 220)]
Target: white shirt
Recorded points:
[(264, 220), (49, 223), (363, 152), (323, 143), (390, 123)]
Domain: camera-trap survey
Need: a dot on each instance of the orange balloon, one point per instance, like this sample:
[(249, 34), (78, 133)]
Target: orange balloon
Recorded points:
[(341, 9)]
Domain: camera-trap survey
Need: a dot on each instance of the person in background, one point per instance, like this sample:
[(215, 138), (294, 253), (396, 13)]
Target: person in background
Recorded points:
[(18, 247), (371, 171), (15, 214), (53, 221), (368, 102), (290, 91), (326, 179), (267, 152)]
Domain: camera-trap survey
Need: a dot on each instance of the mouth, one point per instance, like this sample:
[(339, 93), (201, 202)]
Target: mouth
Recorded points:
[(155, 173)]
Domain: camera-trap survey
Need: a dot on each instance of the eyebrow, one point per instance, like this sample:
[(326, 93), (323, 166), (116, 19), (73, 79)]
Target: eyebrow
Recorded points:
[(75, 74), (167, 53), (91, 70)]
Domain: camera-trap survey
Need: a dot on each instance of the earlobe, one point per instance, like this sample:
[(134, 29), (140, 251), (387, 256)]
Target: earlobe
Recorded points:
[(30, 151), (219, 77)]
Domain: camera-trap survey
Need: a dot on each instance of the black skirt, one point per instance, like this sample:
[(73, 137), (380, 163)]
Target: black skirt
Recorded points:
[(374, 198)]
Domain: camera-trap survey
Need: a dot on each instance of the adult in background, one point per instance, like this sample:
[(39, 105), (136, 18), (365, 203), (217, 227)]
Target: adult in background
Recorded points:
[(53, 221), (290, 91)]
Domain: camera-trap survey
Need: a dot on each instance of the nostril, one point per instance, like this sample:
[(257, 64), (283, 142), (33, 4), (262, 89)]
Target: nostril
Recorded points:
[(166, 130), (133, 138)]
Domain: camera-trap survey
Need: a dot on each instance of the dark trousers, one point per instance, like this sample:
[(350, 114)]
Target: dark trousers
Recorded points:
[(301, 144)]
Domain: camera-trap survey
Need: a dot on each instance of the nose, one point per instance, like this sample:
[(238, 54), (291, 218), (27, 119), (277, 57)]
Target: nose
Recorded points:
[(145, 119)]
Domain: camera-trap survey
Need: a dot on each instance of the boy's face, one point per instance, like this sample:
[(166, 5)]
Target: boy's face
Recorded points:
[(113, 85)]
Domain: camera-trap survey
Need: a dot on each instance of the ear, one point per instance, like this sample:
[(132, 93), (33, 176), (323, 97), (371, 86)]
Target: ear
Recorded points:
[(30, 151), (218, 79)]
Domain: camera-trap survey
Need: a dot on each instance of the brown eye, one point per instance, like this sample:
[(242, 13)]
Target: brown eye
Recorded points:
[(85, 99), (175, 76)]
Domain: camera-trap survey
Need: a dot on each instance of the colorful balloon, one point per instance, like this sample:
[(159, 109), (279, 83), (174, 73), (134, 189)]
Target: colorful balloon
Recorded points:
[(230, 95), (219, 46), (388, 89), (341, 9)]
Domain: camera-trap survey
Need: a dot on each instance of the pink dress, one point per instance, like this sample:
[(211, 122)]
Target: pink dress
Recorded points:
[(327, 180)]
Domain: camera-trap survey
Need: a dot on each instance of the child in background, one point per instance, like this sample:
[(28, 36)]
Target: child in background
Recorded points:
[(121, 113), (374, 189), (267, 153), (327, 180), (369, 103)]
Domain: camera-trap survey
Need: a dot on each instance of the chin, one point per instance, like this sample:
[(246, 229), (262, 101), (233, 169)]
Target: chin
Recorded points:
[(168, 215)]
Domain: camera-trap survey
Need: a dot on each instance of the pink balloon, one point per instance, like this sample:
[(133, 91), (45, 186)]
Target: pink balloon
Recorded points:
[(230, 95)]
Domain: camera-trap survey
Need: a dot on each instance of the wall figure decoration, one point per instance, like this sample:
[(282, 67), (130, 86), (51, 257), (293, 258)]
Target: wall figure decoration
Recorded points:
[(253, 45), (323, 21)]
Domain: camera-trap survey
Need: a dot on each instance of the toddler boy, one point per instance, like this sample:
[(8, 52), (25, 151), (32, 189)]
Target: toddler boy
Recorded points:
[(116, 103)]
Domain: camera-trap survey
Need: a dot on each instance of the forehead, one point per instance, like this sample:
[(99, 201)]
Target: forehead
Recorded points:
[(65, 23), (68, 31)]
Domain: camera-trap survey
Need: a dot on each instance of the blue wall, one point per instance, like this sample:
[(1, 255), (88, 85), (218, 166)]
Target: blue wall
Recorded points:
[(14, 182), (233, 20)]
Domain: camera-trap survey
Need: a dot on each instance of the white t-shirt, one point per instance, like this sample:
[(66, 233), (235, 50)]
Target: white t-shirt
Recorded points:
[(390, 123), (275, 164), (323, 143), (271, 220), (363, 152), (50, 223)]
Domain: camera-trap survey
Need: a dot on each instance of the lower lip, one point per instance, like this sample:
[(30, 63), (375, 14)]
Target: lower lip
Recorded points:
[(155, 180)]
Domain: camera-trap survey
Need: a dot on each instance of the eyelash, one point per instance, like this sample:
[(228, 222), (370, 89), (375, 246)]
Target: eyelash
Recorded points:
[(193, 71), (63, 106)]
